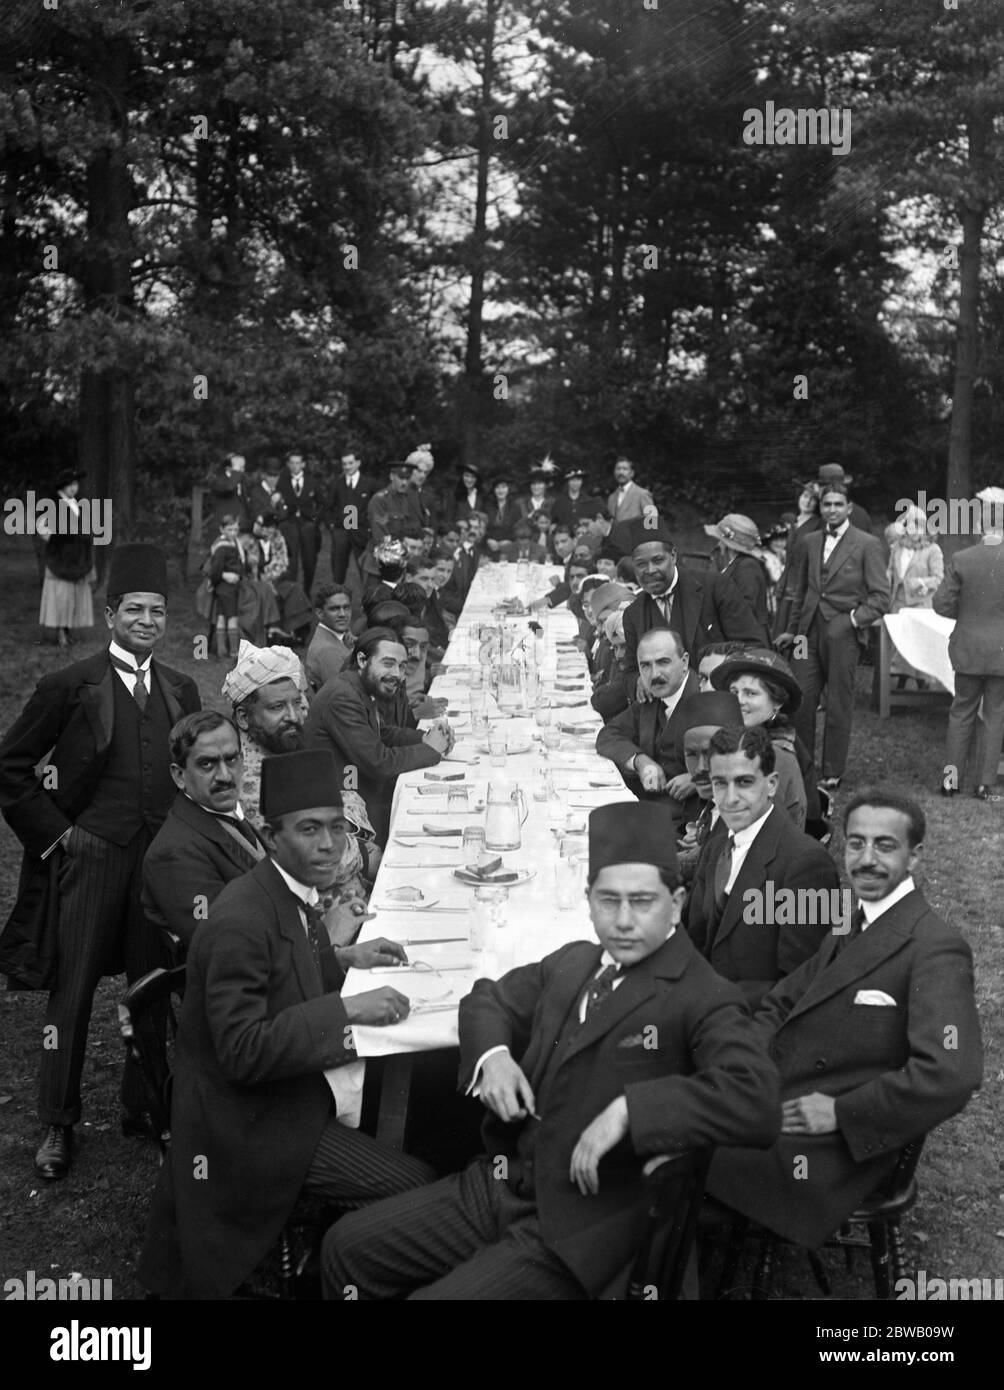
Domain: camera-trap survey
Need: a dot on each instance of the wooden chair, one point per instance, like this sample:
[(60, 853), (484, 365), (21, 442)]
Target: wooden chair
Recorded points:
[(676, 1184), (879, 1215)]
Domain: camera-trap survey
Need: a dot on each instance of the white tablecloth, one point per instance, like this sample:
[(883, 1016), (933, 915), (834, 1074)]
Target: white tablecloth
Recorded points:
[(533, 919), (921, 637)]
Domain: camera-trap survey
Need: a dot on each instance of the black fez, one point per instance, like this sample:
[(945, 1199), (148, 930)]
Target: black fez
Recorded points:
[(645, 530), (641, 832), (138, 569), (717, 707), (299, 782)]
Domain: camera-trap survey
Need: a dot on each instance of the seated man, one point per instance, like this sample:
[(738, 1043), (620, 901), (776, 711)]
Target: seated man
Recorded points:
[(610, 694), (876, 1037), (206, 840), (262, 1032), (578, 1101), (712, 656), (698, 718), (765, 894), (641, 740), (345, 719), (331, 645), (701, 606)]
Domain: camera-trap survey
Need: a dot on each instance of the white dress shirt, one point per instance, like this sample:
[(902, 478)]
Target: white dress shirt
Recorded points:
[(833, 540), (741, 841), (128, 678), (353, 479), (876, 909)]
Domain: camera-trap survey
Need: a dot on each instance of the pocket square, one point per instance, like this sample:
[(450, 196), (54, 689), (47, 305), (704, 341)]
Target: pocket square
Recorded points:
[(875, 996), (632, 1040)]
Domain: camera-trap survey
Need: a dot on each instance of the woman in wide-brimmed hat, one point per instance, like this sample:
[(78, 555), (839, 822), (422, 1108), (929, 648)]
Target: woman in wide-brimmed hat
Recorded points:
[(738, 540), (767, 691), (67, 602)]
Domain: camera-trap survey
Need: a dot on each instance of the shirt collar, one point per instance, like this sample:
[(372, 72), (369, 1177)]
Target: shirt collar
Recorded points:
[(128, 657), (301, 890), (236, 814), (839, 532), (876, 909), (671, 701), (744, 838)]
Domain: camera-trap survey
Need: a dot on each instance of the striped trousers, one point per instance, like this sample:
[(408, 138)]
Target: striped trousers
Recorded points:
[(467, 1237), (100, 915)]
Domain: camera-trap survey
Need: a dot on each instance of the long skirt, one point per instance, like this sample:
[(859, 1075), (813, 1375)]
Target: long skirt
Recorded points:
[(65, 604)]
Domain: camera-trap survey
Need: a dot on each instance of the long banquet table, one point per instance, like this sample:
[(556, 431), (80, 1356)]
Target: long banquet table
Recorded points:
[(534, 925)]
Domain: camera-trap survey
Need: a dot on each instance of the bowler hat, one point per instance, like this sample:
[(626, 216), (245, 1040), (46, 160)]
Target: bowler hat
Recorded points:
[(833, 473), (758, 661)]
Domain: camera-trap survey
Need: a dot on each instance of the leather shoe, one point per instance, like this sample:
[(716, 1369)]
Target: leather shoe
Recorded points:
[(56, 1152), (985, 793)]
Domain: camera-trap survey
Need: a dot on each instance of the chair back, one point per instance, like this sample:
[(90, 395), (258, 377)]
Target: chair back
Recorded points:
[(148, 1026), (676, 1184)]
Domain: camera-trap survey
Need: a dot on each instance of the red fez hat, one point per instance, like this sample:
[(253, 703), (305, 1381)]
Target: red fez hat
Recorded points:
[(299, 781), (138, 569), (640, 832)]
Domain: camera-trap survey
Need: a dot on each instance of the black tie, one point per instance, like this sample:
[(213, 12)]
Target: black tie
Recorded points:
[(140, 692), (857, 924), (722, 871), (315, 925), (242, 828), (832, 530), (601, 986), (704, 823)]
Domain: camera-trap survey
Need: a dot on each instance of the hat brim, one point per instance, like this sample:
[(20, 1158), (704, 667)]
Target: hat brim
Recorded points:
[(736, 542), (738, 665)]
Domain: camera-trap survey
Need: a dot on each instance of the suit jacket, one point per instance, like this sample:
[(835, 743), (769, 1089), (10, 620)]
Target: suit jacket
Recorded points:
[(192, 856), (312, 503), (258, 1027), (465, 567), (344, 719), (854, 581), (326, 656), (892, 1069), (756, 953), (920, 581), (344, 497), (611, 696), (260, 500), (644, 728), (633, 504), (704, 1082), (68, 724), (972, 592), (707, 607)]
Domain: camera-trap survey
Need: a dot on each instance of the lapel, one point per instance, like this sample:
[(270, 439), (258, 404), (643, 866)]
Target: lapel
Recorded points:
[(844, 550), (367, 703), (291, 927), (170, 685), (858, 959), (650, 726), (753, 874), (197, 818), (97, 697), (561, 998), (814, 550), (687, 605)]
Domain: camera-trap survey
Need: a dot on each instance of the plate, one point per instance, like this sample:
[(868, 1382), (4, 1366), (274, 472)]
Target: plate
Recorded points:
[(521, 876), (513, 746)]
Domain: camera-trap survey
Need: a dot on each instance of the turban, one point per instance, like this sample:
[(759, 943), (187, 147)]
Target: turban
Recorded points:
[(258, 666)]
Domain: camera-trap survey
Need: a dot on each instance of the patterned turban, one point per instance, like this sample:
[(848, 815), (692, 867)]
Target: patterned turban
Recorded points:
[(258, 666)]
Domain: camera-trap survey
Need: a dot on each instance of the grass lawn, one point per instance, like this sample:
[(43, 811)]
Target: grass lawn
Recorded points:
[(93, 1222)]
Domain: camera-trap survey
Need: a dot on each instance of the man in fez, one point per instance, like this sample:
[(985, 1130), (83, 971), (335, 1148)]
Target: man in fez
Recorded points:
[(102, 726), (589, 1062), (262, 1108)]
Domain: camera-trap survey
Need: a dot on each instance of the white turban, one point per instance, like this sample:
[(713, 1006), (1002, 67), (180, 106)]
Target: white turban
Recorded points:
[(258, 666)]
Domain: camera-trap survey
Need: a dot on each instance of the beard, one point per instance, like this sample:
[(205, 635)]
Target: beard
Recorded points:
[(278, 740)]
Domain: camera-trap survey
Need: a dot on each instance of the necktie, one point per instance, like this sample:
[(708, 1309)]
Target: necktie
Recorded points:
[(723, 869), (600, 987), (298, 484), (242, 828), (857, 923), (140, 692), (315, 925), (704, 824), (666, 605)]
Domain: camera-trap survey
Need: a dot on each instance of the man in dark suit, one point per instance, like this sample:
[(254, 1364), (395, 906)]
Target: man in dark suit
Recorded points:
[(467, 557), (304, 497), (344, 718), (101, 727), (577, 1099), (351, 495), (972, 592), (261, 1106), (206, 840), (701, 607), (876, 1037), (641, 740), (839, 588), (263, 492), (331, 645), (765, 894)]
